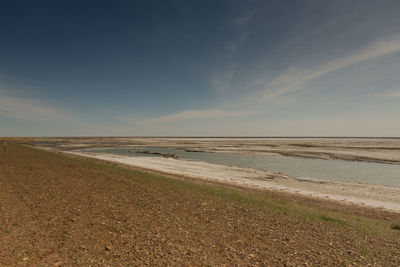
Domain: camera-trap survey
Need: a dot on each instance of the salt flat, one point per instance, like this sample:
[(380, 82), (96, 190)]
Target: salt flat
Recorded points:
[(383, 150)]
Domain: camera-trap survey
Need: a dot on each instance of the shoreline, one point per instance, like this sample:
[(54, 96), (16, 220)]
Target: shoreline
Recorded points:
[(364, 195), (378, 150)]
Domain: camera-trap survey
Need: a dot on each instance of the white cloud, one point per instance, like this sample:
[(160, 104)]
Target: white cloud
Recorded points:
[(30, 109), (222, 80), (388, 94), (295, 79), (199, 114), (244, 20)]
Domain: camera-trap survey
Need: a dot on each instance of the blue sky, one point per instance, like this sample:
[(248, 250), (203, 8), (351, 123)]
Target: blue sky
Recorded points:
[(200, 68)]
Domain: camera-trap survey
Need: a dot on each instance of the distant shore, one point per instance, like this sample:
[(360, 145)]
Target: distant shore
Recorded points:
[(379, 150)]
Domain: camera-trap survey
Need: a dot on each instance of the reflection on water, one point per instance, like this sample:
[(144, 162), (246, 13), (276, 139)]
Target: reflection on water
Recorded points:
[(365, 172)]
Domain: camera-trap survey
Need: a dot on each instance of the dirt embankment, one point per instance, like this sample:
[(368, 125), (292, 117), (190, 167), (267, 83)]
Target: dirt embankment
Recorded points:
[(58, 210)]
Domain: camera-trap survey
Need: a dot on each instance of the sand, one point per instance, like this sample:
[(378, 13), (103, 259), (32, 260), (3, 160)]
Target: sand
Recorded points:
[(376, 196)]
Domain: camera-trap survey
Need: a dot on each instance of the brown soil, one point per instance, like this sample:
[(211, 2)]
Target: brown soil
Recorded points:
[(59, 210)]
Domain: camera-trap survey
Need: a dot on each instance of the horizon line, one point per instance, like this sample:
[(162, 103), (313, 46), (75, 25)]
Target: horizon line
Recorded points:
[(233, 137)]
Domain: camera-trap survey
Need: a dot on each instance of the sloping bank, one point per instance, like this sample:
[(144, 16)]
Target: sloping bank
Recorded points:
[(376, 196), (65, 210)]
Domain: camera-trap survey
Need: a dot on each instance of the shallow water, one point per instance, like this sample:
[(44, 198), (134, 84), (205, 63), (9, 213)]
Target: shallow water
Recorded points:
[(339, 170)]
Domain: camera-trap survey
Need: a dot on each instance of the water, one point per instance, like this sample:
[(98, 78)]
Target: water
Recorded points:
[(339, 170), (48, 143)]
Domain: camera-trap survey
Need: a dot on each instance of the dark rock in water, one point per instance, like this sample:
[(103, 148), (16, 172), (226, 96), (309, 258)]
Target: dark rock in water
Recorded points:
[(149, 152), (143, 152), (169, 155), (165, 155), (193, 150)]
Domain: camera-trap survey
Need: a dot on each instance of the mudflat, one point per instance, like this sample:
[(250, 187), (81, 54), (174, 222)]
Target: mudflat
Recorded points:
[(381, 150), (65, 210)]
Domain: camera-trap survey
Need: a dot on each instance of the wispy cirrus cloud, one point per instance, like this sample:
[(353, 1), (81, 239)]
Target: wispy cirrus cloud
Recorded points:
[(200, 114), (387, 94), (222, 79), (245, 19), (294, 78), (29, 109)]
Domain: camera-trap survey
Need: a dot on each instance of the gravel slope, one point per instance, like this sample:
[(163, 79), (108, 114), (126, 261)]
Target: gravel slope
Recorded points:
[(59, 210)]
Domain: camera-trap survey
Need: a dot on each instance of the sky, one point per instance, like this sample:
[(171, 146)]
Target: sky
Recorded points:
[(200, 68)]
